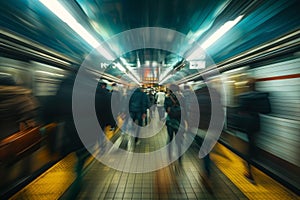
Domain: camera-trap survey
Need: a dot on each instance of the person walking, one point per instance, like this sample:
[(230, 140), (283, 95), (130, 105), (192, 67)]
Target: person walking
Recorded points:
[(160, 102), (138, 105), (174, 113), (251, 103)]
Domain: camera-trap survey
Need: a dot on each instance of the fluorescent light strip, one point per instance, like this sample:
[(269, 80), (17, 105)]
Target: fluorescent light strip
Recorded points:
[(199, 52), (165, 73), (220, 32), (66, 17), (48, 66), (165, 79), (49, 73), (132, 78), (120, 67), (6, 74), (135, 75)]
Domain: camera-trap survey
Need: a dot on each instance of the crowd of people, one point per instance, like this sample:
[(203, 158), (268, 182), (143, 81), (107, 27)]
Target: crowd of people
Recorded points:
[(173, 105)]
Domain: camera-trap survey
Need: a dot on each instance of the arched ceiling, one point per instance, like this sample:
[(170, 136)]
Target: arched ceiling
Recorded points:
[(262, 22)]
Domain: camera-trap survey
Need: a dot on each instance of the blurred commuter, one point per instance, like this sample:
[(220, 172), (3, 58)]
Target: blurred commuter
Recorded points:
[(174, 113), (125, 116), (72, 141), (252, 103), (103, 106), (147, 118), (160, 102), (205, 96), (116, 97), (103, 101), (124, 108), (151, 98), (204, 101), (19, 108), (189, 104), (138, 104)]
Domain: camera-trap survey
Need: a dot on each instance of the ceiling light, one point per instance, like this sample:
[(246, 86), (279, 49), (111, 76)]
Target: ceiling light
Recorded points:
[(199, 52), (165, 73), (48, 66), (120, 67), (66, 17), (133, 78), (165, 79), (49, 73), (220, 32)]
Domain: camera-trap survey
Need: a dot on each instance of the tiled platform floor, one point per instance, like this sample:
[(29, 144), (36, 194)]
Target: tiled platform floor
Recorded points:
[(175, 181), (172, 182)]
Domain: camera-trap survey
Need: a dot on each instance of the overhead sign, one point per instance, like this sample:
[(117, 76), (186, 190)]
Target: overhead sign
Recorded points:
[(197, 64)]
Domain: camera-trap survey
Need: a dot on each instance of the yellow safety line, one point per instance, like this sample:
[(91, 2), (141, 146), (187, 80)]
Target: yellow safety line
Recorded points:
[(51, 184), (234, 167), (54, 182)]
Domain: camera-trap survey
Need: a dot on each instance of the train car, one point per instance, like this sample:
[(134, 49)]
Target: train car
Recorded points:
[(278, 139)]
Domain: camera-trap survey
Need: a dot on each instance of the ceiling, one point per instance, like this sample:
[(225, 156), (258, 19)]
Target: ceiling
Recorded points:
[(262, 22)]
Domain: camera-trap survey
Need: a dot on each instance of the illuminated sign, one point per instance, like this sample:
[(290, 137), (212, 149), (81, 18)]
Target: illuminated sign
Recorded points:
[(197, 64)]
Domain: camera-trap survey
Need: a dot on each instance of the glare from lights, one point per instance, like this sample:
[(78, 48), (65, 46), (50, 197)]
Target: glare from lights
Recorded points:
[(199, 52), (154, 64), (55, 7), (49, 73), (165, 73), (237, 70), (103, 52), (133, 78), (120, 67), (138, 62), (132, 75), (48, 66), (6, 74), (106, 81), (165, 79), (124, 61), (135, 75), (220, 32)]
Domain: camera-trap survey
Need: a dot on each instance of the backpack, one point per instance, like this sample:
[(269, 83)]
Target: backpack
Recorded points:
[(175, 112), (175, 109)]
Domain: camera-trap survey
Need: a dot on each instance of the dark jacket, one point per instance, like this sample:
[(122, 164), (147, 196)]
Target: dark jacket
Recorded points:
[(151, 98), (103, 107), (204, 101), (173, 107), (138, 102), (64, 114)]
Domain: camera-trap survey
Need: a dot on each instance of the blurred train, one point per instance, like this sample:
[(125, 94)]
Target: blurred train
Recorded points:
[(278, 139), (25, 149)]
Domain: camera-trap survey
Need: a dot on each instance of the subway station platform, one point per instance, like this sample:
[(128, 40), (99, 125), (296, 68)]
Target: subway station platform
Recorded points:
[(176, 181)]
